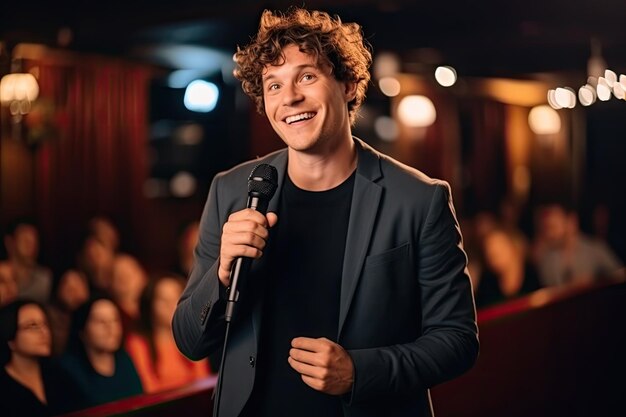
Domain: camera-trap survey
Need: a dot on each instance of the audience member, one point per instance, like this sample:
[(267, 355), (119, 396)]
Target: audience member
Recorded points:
[(95, 356), (8, 285), (30, 383), (96, 260), (564, 254), (71, 291), (159, 363), (34, 281), (128, 279), (508, 272), (105, 232)]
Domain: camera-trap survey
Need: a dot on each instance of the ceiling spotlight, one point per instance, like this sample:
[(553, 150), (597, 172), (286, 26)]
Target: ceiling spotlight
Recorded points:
[(201, 96)]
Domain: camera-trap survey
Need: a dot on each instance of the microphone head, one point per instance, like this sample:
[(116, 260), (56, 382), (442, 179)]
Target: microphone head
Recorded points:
[(263, 181)]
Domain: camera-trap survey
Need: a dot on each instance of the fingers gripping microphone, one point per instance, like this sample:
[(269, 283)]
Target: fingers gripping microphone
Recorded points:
[(262, 184)]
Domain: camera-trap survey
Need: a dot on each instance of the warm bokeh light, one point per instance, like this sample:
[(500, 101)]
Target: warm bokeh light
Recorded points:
[(610, 77), (389, 86), (183, 184), (446, 76), (587, 95), (552, 99), (18, 87), (565, 97), (386, 128), (417, 111), (201, 96), (603, 89), (386, 64), (618, 91), (544, 120)]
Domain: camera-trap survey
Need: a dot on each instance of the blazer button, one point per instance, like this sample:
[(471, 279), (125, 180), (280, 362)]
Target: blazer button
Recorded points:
[(252, 361)]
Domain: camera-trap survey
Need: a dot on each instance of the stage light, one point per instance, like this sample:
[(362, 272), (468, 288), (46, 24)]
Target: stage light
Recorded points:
[(201, 96)]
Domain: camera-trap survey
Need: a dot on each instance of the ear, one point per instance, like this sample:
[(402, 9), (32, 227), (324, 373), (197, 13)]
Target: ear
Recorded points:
[(350, 90), (11, 345)]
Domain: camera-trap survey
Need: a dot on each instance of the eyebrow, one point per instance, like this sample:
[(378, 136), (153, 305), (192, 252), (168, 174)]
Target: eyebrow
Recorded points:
[(297, 68)]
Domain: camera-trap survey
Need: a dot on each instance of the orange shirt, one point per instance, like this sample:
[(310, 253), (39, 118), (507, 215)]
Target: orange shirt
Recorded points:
[(172, 368)]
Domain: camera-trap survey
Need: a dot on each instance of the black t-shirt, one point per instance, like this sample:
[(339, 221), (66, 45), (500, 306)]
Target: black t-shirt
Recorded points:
[(301, 297), (62, 394)]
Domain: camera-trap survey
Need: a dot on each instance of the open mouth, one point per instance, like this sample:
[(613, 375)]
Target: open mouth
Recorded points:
[(299, 118)]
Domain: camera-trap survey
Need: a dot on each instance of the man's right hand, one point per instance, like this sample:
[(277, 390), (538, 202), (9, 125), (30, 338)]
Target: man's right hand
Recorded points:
[(243, 235)]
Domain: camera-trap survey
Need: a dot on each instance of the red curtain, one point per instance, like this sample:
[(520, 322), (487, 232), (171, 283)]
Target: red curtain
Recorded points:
[(94, 160)]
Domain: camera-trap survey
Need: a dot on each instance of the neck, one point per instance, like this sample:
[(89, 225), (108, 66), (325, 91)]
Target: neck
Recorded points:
[(24, 366), (103, 362), (27, 371), (320, 172)]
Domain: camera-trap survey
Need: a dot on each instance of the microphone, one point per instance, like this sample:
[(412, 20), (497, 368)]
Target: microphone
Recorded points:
[(262, 184)]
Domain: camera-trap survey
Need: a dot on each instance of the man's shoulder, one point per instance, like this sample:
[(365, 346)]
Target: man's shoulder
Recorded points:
[(242, 170), (396, 174)]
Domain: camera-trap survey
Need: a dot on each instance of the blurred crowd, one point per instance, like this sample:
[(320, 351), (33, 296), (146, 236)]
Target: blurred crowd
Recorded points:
[(506, 262), (99, 332)]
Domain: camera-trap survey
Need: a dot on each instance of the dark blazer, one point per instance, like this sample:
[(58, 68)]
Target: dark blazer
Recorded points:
[(407, 315)]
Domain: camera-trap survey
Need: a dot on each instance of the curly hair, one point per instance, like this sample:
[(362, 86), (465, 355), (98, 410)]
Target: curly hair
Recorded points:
[(339, 45)]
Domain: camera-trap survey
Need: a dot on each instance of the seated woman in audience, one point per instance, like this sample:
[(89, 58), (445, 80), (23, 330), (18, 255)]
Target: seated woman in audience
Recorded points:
[(95, 357), (507, 271), (71, 291), (153, 350), (128, 280), (30, 383)]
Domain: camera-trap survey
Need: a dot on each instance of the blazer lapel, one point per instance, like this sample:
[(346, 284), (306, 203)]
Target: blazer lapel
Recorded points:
[(365, 202)]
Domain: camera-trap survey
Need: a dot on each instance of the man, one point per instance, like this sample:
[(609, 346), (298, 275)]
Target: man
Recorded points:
[(359, 299), (34, 281), (565, 255)]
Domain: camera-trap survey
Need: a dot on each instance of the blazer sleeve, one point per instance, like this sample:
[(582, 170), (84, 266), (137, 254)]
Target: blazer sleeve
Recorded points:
[(198, 324), (448, 344)]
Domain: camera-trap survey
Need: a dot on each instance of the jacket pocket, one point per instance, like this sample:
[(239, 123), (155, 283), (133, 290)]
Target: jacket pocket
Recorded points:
[(387, 256)]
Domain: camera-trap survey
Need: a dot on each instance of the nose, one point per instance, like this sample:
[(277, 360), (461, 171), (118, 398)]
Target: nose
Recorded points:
[(292, 95)]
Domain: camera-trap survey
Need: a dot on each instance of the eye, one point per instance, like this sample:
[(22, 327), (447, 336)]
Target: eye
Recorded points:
[(308, 77), (273, 87)]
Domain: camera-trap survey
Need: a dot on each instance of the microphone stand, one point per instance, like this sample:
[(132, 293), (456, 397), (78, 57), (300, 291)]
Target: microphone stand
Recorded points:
[(233, 297)]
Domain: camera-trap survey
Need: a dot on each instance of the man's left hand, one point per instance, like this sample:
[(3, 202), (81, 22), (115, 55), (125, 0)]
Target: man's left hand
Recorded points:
[(323, 364)]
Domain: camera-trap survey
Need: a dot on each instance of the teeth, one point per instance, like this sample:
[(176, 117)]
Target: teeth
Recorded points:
[(299, 117)]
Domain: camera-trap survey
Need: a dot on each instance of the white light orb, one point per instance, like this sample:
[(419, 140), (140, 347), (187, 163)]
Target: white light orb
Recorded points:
[(446, 76), (201, 96)]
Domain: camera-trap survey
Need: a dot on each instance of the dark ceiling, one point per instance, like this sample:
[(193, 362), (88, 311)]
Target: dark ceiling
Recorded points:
[(482, 38)]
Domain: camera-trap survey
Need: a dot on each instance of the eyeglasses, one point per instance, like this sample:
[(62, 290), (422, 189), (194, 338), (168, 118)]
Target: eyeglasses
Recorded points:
[(33, 326)]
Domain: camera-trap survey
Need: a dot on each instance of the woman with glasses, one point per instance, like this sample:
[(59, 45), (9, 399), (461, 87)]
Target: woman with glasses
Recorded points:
[(30, 383)]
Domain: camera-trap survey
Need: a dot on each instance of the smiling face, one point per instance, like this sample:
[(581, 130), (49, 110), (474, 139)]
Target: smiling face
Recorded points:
[(305, 104)]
